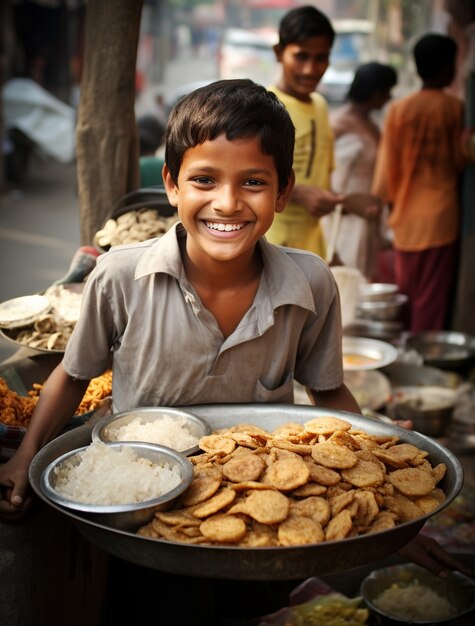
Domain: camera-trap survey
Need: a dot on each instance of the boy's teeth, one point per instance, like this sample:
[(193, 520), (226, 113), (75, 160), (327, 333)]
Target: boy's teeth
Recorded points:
[(224, 227)]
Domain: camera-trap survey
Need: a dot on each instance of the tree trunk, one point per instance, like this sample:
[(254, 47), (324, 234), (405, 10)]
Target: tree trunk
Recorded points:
[(107, 137)]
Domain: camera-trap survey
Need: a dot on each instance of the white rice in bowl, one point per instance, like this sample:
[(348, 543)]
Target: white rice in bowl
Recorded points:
[(107, 475), (413, 602), (165, 430)]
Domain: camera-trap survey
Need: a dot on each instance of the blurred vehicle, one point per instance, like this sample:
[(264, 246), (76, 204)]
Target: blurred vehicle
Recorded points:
[(248, 54), (354, 45)]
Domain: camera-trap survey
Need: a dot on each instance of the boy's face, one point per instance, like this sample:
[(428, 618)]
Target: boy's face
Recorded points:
[(303, 65), (227, 194)]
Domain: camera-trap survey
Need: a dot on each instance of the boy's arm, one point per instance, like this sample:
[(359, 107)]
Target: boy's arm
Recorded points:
[(340, 399), (59, 399), (317, 201)]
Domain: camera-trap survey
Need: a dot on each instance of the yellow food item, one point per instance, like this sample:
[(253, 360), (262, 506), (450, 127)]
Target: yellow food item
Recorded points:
[(278, 487)]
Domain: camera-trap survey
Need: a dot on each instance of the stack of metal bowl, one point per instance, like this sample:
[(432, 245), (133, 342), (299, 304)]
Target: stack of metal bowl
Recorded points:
[(380, 302)]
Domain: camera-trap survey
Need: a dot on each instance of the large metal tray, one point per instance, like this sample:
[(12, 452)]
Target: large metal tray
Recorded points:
[(276, 563)]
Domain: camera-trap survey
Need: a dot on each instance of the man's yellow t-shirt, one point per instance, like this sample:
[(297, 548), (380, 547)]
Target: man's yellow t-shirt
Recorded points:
[(313, 163)]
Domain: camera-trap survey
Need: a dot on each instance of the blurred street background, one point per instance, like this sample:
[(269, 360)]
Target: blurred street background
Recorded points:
[(181, 44)]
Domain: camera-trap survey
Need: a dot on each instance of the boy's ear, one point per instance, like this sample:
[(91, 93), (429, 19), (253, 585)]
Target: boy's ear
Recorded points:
[(284, 194), (278, 49), (170, 187)]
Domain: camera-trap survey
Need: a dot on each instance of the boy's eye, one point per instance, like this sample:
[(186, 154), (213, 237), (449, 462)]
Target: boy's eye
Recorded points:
[(253, 182), (202, 180)]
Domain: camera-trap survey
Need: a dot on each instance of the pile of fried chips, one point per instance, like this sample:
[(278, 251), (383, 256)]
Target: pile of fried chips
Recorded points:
[(301, 484)]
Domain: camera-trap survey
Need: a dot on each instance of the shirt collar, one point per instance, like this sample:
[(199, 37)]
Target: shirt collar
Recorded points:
[(286, 282)]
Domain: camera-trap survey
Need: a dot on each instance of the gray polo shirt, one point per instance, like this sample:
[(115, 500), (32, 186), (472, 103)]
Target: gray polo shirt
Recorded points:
[(141, 315)]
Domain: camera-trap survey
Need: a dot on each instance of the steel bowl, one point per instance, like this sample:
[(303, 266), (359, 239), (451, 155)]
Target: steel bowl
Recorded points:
[(370, 388), (361, 353), (444, 349), (457, 588), (128, 516), (388, 310), (429, 408), (377, 292), (196, 426)]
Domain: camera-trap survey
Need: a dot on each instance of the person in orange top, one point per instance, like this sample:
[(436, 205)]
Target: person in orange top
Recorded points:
[(418, 171)]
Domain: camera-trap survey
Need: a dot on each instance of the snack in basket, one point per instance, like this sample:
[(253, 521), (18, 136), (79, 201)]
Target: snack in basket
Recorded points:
[(16, 410), (301, 484), (133, 226), (51, 330)]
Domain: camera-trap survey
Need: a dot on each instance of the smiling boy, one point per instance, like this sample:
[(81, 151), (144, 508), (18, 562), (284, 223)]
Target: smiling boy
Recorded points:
[(305, 41), (211, 312)]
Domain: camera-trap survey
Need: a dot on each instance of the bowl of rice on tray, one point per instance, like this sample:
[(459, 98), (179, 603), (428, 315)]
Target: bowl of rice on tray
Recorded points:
[(120, 484), (410, 594), (165, 426)]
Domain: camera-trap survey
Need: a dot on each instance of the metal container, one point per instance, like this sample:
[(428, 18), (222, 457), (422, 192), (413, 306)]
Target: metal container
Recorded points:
[(196, 426), (370, 388), (429, 408), (388, 310), (377, 292), (386, 331), (456, 587), (267, 563), (121, 516), (444, 349), (361, 353)]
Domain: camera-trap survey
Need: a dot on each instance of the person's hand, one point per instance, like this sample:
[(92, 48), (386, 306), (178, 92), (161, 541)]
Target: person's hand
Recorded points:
[(318, 202), (427, 553), (14, 487), (363, 204)]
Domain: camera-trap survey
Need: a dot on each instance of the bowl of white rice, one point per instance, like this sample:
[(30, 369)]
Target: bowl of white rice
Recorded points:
[(119, 484), (165, 426), (409, 594)]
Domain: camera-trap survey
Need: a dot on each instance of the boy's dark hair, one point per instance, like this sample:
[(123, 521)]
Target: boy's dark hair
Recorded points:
[(369, 79), (434, 54), (301, 23), (237, 108)]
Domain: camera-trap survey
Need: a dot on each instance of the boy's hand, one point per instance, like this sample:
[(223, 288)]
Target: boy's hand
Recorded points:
[(318, 202), (14, 485), (427, 553), (363, 204)]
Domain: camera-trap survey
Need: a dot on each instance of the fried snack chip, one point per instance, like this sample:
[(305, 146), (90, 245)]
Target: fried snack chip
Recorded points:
[(364, 474), (314, 507), (267, 507), (334, 456), (216, 503), (413, 481), (223, 528), (326, 425), (287, 474), (201, 489), (243, 467), (296, 531), (339, 526), (216, 443), (252, 488)]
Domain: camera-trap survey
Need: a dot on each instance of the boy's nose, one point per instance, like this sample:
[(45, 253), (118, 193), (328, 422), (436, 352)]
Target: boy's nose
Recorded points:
[(226, 200)]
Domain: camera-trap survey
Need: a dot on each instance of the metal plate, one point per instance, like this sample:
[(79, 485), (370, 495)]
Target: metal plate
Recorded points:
[(361, 353), (22, 311), (277, 563)]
